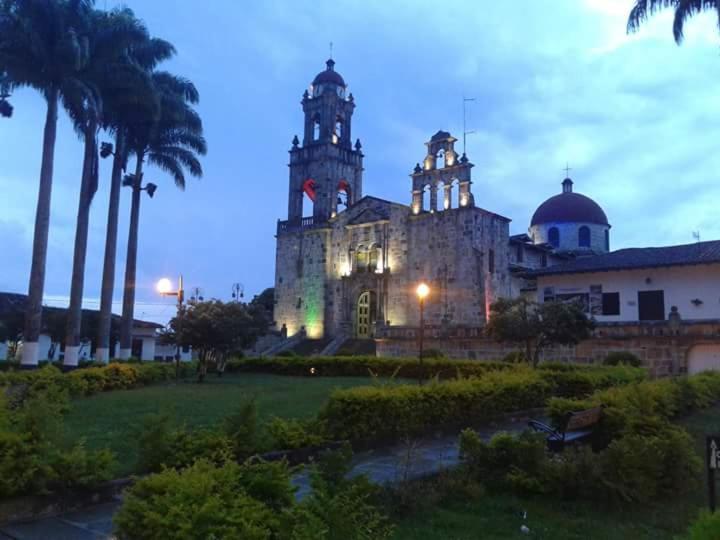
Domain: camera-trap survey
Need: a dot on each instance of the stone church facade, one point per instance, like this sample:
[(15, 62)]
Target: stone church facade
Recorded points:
[(351, 268)]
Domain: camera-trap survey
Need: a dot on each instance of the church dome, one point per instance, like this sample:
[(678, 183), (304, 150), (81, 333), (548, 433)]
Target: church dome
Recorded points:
[(329, 76), (569, 207)]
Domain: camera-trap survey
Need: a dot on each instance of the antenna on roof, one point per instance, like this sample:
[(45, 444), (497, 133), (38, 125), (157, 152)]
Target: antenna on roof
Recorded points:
[(465, 131), (696, 236)]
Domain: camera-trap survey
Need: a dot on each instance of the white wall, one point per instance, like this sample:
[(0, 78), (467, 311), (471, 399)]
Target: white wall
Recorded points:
[(704, 357), (681, 284)]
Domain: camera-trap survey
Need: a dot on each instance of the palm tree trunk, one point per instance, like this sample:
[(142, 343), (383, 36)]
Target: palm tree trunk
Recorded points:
[(74, 316), (102, 353), (131, 266), (33, 313)]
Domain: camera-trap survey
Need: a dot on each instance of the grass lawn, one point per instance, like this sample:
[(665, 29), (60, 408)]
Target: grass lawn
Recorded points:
[(499, 516), (109, 420)]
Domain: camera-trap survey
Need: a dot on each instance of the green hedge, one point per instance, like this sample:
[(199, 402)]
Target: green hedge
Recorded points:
[(362, 366), (91, 380), (627, 408), (381, 412)]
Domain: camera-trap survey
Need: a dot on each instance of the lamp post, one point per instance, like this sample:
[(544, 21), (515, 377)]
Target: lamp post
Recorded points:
[(422, 292), (238, 291), (165, 288)]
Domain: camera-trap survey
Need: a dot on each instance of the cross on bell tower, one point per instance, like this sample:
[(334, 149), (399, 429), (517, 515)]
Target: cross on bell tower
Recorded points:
[(326, 168)]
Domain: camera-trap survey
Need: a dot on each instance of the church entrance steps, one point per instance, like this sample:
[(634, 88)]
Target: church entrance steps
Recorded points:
[(334, 345)]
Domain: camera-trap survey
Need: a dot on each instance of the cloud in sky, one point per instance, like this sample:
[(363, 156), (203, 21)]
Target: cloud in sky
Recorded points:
[(555, 81)]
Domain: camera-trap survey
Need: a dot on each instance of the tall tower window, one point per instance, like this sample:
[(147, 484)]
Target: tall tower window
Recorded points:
[(316, 128), (554, 236), (607, 240), (584, 236), (338, 135)]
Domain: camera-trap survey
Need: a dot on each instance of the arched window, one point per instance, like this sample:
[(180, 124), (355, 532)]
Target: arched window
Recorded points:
[(584, 236), (338, 134), (309, 196), (554, 236), (607, 240), (440, 160), (316, 127), (361, 259), (373, 258)]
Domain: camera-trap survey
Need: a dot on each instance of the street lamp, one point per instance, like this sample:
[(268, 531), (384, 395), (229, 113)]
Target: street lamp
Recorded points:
[(238, 291), (422, 293), (165, 288)]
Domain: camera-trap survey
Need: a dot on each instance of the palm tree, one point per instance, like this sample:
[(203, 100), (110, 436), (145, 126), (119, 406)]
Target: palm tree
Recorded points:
[(108, 73), (43, 45), (171, 143), (6, 109), (684, 9), (138, 100)]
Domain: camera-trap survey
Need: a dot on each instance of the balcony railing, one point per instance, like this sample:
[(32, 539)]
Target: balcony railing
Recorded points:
[(298, 224)]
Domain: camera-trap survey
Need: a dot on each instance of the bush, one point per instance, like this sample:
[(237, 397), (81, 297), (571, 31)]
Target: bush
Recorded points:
[(160, 445), (362, 366), (639, 406), (203, 501), (242, 429), (381, 412), (640, 468), (34, 458), (254, 501), (622, 357), (292, 434), (706, 527), (93, 379), (397, 411)]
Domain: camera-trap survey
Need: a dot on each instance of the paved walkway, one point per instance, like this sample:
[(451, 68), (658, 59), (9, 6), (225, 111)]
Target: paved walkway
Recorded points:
[(388, 465)]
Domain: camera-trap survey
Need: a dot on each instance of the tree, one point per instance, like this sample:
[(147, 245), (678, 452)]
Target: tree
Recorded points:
[(215, 330), (172, 143), (684, 9), (137, 100), (43, 45), (106, 74), (6, 109), (537, 326)]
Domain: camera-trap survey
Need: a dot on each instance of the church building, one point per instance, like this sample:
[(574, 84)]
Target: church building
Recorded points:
[(351, 268)]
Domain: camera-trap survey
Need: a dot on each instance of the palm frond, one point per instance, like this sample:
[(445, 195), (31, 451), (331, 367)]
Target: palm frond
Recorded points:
[(170, 166), (185, 157), (686, 9), (643, 9)]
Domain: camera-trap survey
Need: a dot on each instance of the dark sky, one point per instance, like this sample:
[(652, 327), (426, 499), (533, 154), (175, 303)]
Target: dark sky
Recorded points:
[(555, 81)]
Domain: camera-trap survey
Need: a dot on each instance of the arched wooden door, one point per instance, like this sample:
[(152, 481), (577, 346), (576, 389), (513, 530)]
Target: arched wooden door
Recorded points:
[(365, 316)]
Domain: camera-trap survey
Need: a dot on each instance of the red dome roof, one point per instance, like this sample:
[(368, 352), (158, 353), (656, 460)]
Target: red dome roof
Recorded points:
[(329, 75), (569, 207)]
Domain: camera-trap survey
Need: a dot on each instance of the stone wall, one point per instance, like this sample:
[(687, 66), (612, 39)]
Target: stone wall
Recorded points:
[(662, 348)]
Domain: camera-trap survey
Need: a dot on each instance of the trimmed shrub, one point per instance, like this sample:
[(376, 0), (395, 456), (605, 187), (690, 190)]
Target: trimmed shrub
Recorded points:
[(91, 380), (392, 412), (622, 357), (362, 366), (397, 411), (242, 428)]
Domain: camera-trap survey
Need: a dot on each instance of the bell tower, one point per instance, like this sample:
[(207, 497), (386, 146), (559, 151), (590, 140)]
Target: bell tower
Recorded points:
[(326, 168)]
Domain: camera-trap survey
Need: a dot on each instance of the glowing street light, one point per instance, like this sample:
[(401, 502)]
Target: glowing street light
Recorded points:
[(164, 287), (423, 290)]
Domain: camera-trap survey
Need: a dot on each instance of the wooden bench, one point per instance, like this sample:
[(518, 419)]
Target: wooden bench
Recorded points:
[(577, 427)]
